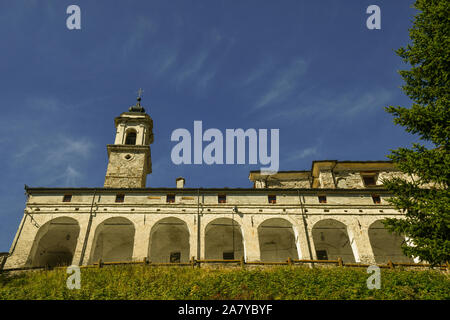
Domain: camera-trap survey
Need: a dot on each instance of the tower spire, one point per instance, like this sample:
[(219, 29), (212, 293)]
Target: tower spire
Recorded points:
[(138, 107)]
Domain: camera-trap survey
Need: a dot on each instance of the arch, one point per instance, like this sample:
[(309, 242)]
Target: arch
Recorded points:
[(331, 241), (223, 239), (55, 243), (113, 240), (277, 240), (130, 138), (169, 241), (385, 245)]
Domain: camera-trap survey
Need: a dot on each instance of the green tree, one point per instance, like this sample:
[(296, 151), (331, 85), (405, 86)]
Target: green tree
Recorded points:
[(424, 197)]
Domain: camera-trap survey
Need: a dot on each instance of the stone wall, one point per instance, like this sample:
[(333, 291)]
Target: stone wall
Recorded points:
[(128, 166), (262, 230), (3, 258), (329, 175), (289, 184)]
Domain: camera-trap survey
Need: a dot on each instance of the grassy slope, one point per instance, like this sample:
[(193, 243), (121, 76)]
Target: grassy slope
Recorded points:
[(139, 282)]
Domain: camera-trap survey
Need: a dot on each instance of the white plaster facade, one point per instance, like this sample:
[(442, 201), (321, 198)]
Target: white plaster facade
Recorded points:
[(328, 212)]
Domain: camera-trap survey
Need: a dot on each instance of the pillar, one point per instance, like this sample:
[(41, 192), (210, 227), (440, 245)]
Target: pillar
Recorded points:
[(359, 240)]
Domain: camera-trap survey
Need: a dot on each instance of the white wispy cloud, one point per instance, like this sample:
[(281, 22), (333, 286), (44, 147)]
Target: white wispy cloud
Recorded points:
[(71, 176), (284, 84), (166, 60), (193, 67), (25, 151), (340, 105), (196, 68), (66, 149), (52, 160), (141, 30), (265, 67), (53, 104), (369, 101), (46, 104), (301, 154)]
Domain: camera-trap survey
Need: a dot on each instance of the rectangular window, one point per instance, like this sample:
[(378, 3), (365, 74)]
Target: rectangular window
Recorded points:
[(322, 199), (120, 198), (322, 255), (67, 198), (175, 257), (228, 255), (369, 181), (170, 198), (222, 198), (376, 199), (272, 199)]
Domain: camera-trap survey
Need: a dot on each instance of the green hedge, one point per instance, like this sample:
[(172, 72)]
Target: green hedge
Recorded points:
[(140, 282)]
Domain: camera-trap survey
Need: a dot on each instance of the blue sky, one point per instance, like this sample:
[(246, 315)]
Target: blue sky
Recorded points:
[(309, 68)]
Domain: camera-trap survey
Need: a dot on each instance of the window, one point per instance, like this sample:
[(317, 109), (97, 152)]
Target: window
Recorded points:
[(322, 199), (170, 198), (272, 199), (222, 198), (131, 138), (67, 198), (369, 181), (120, 198), (376, 199), (322, 255), (175, 257), (228, 255)]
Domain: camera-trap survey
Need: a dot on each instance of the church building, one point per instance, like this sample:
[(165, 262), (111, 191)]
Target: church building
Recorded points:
[(334, 210)]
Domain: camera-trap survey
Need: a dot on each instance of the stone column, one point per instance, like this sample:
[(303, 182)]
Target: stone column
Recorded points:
[(119, 134), (311, 242), (202, 237), (360, 243), (251, 242), (193, 237), (140, 135), (141, 241), (83, 221), (304, 240)]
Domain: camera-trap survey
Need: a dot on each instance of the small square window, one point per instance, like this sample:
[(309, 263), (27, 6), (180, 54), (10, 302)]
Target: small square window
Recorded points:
[(369, 181), (272, 199), (120, 198), (322, 199), (222, 198), (322, 255), (175, 257), (228, 255), (376, 199), (170, 198), (67, 198)]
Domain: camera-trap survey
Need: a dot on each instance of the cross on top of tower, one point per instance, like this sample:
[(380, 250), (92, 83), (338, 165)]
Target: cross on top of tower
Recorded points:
[(140, 93), (138, 107)]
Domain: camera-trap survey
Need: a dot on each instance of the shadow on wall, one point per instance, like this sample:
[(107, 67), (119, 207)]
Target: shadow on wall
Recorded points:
[(223, 240), (55, 243), (331, 241), (113, 241), (385, 245), (169, 241), (277, 240)]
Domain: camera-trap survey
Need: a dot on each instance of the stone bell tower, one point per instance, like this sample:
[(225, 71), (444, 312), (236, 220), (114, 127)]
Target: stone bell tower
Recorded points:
[(129, 157)]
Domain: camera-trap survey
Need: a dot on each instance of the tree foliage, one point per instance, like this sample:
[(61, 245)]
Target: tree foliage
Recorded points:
[(424, 197)]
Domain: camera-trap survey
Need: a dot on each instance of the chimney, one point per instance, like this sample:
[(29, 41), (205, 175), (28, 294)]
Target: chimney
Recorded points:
[(180, 182)]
